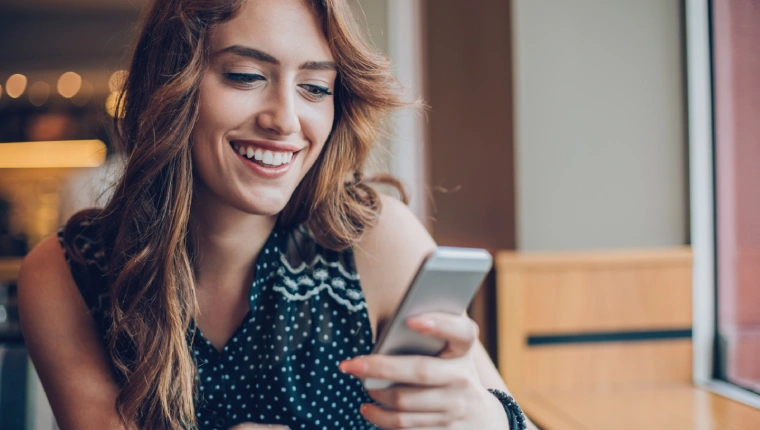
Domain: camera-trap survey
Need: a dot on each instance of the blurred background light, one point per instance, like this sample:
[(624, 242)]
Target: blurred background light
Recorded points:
[(64, 153), (111, 102), (83, 96), (69, 84), (1, 91), (116, 81), (39, 93), (15, 85)]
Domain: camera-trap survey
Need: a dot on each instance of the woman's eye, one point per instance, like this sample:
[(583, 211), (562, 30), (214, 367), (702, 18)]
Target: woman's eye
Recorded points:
[(243, 78), (316, 92)]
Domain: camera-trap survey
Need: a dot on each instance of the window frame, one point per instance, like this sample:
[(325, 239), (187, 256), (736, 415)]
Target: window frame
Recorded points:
[(701, 138)]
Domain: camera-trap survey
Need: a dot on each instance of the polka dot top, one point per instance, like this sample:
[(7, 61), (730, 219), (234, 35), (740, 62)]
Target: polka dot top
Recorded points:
[(307, 314)]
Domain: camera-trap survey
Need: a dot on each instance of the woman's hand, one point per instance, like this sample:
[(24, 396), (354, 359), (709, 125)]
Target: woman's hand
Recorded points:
[(431, 392)]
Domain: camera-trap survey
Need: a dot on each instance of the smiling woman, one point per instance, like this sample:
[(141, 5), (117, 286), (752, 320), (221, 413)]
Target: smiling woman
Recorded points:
[(253, 102), (220, 285)]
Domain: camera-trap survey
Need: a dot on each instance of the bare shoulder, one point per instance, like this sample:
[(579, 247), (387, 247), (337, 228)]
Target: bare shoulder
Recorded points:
[(397, 227), (63, 343), (44, 279), (388, 255), (45, 262)]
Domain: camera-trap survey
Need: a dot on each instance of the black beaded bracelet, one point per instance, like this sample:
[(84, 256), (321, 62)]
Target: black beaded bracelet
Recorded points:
[(515, 415)]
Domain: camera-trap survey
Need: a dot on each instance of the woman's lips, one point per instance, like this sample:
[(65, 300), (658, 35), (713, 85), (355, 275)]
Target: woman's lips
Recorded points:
[(265, 157), (257, 162)]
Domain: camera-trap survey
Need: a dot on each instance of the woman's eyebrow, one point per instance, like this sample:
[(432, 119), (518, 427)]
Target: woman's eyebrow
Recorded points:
[(248, 52), (319, 65), (245, 51)]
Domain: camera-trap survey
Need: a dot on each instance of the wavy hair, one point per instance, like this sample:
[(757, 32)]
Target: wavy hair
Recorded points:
[(144, 226)]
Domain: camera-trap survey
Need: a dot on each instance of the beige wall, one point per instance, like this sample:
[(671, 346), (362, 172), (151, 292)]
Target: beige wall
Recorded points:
[(600, 127), (373, 15), (395, 28)]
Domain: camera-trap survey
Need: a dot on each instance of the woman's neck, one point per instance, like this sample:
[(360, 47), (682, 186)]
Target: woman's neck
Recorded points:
[(226, 242)]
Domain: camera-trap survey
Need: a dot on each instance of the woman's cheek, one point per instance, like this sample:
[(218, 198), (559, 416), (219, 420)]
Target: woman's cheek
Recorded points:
[(318, 120)]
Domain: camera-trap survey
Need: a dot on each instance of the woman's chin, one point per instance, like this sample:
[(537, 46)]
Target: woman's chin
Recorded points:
[(265, 205)]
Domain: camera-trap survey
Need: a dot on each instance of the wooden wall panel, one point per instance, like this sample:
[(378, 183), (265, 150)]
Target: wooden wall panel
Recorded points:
[(640, 257), (470, 149), (590, 366), (605, 291), (511, 338), (568, 295), (576, 300)]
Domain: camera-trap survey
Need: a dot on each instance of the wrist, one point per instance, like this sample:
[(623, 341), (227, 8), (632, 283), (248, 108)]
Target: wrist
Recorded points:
[(515, 417), (495, 416)]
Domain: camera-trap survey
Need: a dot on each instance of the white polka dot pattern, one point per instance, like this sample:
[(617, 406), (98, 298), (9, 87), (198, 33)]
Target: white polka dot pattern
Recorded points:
[(307, 314)]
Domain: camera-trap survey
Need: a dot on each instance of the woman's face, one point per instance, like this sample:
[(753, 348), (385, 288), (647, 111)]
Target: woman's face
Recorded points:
[(266, 106)]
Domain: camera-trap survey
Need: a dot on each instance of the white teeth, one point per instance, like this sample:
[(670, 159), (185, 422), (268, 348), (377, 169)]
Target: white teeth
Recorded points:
[(268, 157), (265, 156)]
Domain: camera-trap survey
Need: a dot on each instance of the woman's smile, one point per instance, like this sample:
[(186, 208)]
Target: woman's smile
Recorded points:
[(264, 159), (267, 97)]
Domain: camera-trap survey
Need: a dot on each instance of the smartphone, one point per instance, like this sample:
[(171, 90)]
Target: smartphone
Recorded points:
[(445, 282)]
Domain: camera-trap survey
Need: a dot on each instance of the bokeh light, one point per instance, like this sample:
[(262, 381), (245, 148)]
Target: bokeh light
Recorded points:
[(69, 84), (69, 153), (83, 96), (111, 102), (39, 93), (116, 81), (15, 85)]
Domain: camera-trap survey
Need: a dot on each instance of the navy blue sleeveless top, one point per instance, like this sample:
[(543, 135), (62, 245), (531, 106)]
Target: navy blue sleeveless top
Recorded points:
[(307, 314)]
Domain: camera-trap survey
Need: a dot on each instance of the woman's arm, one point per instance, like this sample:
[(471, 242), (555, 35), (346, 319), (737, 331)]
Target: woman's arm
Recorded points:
[(63, 343), (65, 346), (449, 390)]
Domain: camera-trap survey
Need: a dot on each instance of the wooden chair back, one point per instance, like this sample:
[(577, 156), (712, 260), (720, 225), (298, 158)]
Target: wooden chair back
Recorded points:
[(594, 320)]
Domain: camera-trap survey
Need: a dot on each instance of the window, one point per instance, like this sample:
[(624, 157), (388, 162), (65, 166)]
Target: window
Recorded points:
[(736, 106), (724, 141)]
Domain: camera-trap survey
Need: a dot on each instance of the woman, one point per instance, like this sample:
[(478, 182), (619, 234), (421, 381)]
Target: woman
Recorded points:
[(220, 285)]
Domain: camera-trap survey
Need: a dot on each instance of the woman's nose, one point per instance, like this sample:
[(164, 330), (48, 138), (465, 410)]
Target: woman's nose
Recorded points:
[(280, 115)]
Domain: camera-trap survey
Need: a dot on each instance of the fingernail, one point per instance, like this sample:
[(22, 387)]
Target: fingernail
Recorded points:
[(424, 323), (363, 409), (353, 366)]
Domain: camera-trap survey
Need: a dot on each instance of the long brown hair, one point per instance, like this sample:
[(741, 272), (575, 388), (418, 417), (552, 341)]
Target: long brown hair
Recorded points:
[(145, 224)]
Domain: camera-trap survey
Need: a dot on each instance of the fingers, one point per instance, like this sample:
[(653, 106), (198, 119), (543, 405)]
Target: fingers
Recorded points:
[(389, 419), (410, 369), (459, 331), (410, 398)]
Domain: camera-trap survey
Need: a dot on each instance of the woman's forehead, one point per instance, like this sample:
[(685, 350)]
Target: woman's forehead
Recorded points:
[(287, 30)]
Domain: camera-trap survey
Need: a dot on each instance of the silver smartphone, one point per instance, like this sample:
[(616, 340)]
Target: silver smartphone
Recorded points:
[(445, 282)]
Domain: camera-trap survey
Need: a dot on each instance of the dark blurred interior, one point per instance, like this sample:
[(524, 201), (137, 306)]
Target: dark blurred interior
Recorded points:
[(56, 61)]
